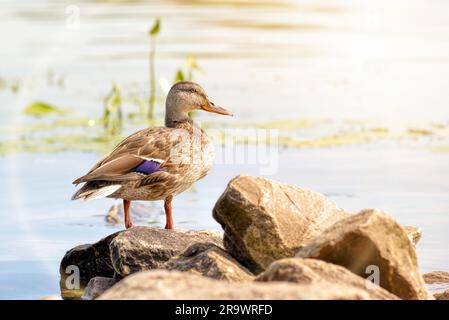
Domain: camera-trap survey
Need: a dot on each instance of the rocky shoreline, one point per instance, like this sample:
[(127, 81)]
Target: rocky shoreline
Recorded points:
[(279, 242)]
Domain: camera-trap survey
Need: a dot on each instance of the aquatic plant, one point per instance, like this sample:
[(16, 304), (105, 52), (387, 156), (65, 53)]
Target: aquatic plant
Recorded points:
[(112, 111), (154, 31), (191, 66), (39, 109)]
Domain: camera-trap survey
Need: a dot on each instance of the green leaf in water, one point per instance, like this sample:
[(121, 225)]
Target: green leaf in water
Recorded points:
[(191, 63), (39, 109), (179, 76), (155, 28)]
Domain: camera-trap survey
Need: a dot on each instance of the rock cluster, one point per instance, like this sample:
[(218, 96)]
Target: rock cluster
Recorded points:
[(279, 242), (438, 282)]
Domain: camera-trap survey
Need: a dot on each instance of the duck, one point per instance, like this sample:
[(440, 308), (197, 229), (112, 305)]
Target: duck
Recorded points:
[(156, 163)]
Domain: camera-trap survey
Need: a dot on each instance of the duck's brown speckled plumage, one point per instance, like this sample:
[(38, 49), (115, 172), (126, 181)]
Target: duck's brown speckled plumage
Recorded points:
[(184, 150)]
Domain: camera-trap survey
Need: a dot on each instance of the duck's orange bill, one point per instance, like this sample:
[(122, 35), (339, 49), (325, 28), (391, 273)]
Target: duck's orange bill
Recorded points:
[(216, 109)]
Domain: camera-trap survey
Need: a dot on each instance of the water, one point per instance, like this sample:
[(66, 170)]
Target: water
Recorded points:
[(276, 60)]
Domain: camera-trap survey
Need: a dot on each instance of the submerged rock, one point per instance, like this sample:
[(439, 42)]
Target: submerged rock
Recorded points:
[(371, 241), (97, 286), (320, 274), (140, 211), (264, 220), (144, 248), (438, 283), (211, 261), (436, 277), (175, 285)]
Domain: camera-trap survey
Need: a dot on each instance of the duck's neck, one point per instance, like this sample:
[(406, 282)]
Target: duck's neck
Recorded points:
[(176, 119)]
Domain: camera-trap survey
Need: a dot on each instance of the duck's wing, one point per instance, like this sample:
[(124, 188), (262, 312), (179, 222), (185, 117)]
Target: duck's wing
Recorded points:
[(145, 151)]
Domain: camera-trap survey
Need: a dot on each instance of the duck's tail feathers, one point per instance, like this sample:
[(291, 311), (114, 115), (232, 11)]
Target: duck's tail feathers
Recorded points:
[(92, 190)]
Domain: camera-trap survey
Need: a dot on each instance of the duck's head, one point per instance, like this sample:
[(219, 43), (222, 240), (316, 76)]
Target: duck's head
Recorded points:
[(186, 96)]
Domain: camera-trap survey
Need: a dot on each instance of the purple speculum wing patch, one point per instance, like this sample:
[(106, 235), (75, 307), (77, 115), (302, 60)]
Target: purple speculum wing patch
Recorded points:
[(147, 167)]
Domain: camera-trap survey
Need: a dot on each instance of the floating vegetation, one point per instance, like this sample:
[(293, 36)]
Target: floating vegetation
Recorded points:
[(441, 149), (419, 132), (300, 133), (154, 31), (40, 109)]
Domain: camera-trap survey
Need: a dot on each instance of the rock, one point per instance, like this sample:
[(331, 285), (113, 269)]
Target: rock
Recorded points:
[(264, 220), (413, 233), (370, 240), (442, 295), (123, 252), (97, 286), (175, 285), (437, 283), (145, 248), (91, 260), (211, 261), (436, 277), (140, 211), (318, 273)]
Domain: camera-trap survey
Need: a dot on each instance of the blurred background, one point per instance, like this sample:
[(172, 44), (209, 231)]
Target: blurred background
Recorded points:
[(356, 91)]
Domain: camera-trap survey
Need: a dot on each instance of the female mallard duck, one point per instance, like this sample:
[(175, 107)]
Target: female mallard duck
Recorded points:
[(156, 163)]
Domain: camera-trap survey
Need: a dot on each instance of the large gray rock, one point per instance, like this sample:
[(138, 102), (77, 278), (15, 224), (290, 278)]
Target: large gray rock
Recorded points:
[(124, 252), (144, 248), (318, 273), (264, 220), (370, 240), (91, 260), (175, 285), (97, 286), (211, 261)]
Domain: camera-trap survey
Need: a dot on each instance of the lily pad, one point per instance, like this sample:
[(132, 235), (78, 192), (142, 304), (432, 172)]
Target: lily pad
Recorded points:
[(40, 109)]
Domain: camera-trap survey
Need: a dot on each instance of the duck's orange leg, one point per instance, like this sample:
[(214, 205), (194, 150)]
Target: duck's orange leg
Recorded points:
[(168, 213), (127, 215)]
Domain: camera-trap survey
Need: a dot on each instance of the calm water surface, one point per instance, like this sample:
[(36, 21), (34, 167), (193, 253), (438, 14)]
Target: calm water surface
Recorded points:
[(273, 60)]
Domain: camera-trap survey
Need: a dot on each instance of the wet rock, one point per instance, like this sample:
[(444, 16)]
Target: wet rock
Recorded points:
[(436, 277), (371, 241), (442, 295), (264, 220), (140, 211), (124, 252), (437, 282), (211, 261), (318, 273), (413, 233), (175, 285), (90, 260), (97, 286), (145, 248)]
